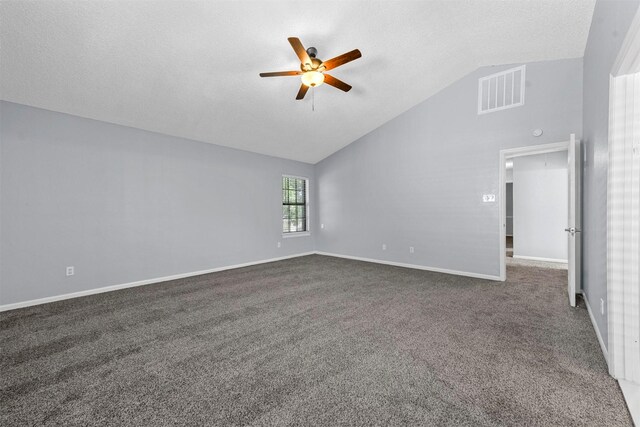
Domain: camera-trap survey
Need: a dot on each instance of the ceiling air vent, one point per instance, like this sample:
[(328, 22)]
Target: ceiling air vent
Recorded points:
[(501, 90)]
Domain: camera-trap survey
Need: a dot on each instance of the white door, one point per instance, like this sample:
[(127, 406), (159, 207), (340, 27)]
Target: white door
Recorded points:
[(574, 222)]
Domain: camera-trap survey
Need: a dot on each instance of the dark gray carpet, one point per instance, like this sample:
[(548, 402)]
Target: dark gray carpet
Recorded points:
[(311, 341)]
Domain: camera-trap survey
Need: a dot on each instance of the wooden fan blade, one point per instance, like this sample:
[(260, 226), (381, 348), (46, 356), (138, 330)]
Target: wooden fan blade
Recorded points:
[(332, 81), (281, 73), (297, 46), (302, 92), (342, 59)]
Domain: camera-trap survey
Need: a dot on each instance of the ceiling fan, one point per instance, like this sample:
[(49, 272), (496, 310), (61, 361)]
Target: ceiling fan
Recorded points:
[(312, 68)]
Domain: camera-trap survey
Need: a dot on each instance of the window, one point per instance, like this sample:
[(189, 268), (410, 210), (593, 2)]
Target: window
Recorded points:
[(294, 205)]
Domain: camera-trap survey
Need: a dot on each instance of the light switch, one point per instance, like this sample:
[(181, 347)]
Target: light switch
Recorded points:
[(488, 198)]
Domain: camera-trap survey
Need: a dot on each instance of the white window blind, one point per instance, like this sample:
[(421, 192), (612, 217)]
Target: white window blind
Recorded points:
[(623, 218)]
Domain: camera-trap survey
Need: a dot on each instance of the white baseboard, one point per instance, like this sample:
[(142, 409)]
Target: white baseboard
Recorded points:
[(416, 266), (535, 258), (45, 300), (631, 393), (605, 353)]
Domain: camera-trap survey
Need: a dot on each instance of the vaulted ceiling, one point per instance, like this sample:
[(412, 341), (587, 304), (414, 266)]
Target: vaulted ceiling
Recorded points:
[(190, 68)]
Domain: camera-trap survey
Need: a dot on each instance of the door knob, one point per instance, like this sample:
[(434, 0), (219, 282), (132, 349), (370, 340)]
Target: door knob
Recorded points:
[(572, 230)]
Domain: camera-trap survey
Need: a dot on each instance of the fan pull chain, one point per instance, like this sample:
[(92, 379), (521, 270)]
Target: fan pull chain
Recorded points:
[(313, 99)]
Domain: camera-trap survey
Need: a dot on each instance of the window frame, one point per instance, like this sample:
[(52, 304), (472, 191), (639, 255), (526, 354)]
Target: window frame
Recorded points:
[(307, 231)]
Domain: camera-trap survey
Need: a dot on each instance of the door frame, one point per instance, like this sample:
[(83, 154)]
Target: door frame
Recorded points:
[(511, 153)]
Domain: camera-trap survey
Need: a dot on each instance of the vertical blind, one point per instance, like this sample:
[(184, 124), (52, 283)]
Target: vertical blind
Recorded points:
[(623, 252), (294, 204)]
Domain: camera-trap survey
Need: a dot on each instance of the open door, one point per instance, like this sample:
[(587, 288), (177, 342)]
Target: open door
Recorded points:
[(574, 224)]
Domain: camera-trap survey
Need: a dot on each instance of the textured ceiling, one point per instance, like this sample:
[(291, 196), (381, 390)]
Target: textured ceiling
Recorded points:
[(190, 68)]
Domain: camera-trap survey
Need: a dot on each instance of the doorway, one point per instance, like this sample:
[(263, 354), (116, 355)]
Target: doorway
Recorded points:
[(536, 197), (536, 246), (509, 208)]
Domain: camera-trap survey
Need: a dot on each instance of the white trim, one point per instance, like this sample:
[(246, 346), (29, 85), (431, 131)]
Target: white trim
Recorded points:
[(46, 300), (628, 60), (286, 175), (307, 185), (605, 353), (296, 234), (29, 303), (509, 154), (536, 258), (415, 266), (631, 393)]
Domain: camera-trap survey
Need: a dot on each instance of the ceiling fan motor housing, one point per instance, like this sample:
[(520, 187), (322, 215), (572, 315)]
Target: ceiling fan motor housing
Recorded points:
[(316, 64)]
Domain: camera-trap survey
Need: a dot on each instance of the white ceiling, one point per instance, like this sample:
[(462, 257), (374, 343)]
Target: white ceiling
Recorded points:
[(190, 68)]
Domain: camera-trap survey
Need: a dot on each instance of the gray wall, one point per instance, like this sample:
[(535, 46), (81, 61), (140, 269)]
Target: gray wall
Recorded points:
[(418, 180), (122, 205), (540, 206), (611, 21)]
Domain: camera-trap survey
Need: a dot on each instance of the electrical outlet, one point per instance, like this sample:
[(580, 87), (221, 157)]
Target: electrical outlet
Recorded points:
[(384, 246), (410, 249), (322, 226), (71, 271), (601, 306), (279, 244)]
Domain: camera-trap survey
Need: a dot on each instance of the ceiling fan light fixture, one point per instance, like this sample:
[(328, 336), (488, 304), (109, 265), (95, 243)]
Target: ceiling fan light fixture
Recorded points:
[(312, 78)]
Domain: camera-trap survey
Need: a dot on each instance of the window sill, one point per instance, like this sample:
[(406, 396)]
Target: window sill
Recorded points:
[(296, 234)]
